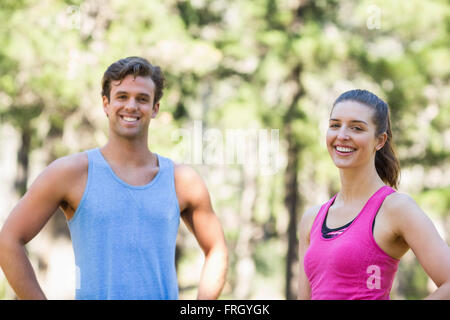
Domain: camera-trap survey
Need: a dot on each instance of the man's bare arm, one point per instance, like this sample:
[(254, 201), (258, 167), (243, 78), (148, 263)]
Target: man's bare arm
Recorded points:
[(200, 219), (26, 220)]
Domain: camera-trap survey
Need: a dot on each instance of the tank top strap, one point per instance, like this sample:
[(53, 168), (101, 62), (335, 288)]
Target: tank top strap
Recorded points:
[(93, 155), (318, 221), (165, 163), (166, 168), (97, 165), (96, 160), (372, 206)]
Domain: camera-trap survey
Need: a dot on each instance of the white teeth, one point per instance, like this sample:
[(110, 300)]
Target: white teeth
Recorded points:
[(342, 149), (129, 119)]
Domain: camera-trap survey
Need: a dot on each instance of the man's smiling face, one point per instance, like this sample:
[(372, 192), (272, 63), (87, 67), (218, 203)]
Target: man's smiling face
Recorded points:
[(130, 107)]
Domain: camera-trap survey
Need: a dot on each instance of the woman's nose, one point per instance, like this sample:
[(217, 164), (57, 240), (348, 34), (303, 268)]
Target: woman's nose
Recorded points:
[(343, 134)]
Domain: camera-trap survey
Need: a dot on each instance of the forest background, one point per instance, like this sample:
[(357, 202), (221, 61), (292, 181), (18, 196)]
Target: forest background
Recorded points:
[(250, 84)]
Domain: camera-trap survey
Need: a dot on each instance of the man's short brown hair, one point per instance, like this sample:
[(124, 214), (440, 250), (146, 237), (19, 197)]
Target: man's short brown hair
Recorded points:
[(136, 66)]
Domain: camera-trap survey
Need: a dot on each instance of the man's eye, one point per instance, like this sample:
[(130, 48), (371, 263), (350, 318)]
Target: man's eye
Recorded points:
[(334, 125)]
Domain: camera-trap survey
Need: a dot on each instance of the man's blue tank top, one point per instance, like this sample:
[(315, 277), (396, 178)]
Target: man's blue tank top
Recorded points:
[(124, 236)]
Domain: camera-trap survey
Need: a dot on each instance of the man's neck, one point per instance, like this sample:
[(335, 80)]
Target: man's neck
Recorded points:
[(125, 152)]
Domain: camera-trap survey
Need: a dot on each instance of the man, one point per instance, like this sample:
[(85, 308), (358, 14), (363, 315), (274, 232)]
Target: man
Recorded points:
[(122, 203)]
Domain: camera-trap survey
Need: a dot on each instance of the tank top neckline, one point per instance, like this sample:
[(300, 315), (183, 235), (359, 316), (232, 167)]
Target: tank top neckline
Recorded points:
[(125, 184), (361, 212)]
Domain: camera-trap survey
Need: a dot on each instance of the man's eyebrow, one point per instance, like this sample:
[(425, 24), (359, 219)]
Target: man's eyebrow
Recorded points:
[(358, 121), (124, 92)]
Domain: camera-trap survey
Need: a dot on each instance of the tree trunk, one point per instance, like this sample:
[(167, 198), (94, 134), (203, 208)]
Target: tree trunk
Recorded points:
[(20, 183), (292, 198), (245, 266), (291, 202)]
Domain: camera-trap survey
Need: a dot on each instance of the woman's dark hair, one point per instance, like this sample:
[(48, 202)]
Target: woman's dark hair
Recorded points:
[(386, 162), (136, 66)]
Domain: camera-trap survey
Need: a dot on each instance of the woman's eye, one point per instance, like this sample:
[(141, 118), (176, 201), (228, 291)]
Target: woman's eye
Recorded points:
[(334, 125), (357, 128)]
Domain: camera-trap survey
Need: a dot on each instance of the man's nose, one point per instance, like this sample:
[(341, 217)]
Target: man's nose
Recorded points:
[(131, 104)]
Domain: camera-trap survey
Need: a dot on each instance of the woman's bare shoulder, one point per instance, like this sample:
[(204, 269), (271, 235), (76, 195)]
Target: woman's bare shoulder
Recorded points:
[(307, 220), (402, 211), (398, 204)]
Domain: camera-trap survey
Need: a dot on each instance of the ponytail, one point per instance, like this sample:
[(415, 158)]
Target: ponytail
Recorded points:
[(386, 162)]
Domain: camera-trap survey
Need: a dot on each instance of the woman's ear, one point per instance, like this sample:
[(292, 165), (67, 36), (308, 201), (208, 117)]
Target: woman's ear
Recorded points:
[(381, 140)]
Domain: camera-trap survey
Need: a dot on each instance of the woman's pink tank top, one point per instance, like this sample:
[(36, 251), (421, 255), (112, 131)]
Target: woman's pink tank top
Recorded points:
[(351, 265)]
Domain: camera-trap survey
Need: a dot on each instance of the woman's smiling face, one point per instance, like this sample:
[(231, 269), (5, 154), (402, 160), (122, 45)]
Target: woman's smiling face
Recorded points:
[(351, 139)]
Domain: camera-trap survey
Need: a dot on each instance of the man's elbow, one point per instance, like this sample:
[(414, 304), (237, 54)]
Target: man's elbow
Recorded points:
[(220, 255), (4, 245), (222, 252), (8, 242)]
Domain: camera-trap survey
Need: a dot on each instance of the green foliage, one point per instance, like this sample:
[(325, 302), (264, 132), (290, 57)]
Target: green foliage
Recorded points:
[(236, 64), (435, 201)]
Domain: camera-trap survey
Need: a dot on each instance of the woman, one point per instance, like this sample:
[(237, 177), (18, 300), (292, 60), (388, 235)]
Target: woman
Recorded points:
[(350, 247)]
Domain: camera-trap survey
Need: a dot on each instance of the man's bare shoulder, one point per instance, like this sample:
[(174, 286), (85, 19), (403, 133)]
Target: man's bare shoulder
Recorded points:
[(68, 169), (190, 186), (188, 181), (58, 181), (73, 164), (185, 175)]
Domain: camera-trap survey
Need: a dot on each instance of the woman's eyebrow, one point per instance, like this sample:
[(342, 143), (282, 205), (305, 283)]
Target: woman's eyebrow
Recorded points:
[(357, 121)]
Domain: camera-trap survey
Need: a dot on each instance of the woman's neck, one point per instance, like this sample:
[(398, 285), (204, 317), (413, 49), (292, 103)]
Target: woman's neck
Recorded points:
[(358, 183)]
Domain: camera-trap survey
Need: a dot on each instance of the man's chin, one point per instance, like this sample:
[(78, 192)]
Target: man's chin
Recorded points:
[(129, 134)]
